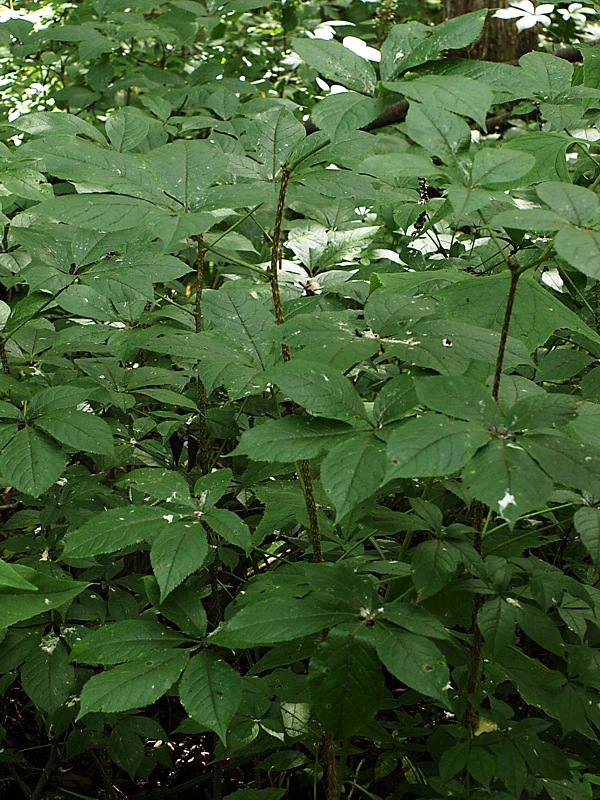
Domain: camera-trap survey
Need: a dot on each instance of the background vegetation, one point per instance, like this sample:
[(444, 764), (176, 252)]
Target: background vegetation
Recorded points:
[(300, 422)]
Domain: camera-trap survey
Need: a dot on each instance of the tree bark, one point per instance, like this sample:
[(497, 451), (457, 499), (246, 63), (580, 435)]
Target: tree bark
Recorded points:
[(500, 40)]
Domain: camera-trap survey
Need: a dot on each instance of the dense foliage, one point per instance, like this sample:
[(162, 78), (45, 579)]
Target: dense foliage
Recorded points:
[(300, 416)]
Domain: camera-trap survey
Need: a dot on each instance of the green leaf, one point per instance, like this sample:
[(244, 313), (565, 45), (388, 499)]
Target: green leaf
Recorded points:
[(126, 128), (402, 165), (183, 605), (169, 397), (449, 346), (497, 619), (353, 471), (574, 203), (540, 628), (536, 314), (432, 445), (275, 134), (176, 552), (459, 397), (99, 212), (132, 685), (31, 462), (161, 484), (528, 219), (580, 249), (462, 96), (438, 131), (542, 411), (228, 526), (125, 640), (186, 168), (504, 477), (51, 123), (587, 525), (87, 163), (500, 169), (340, 114), (413, 43), (551, 75), (345, 681), (211, 692), (78, 430), (566, 460), (211, 488), (114, 529), (10, 578), (337, 63), (46, 676), (323, 391), (395, 400), (414, 660), (247, 319), (550, 152), (434, 564), (55, 398), (279, 619), (291, 438), (415, 619), (51, 593)]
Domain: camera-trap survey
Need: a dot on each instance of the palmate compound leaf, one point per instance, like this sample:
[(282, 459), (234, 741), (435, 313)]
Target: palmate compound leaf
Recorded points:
[(32, 462), (115, 528), (414, 660), (432, 445), (176, 552), (345, 680), (353, 471), (211, 692), (132, 685), (124, 640)]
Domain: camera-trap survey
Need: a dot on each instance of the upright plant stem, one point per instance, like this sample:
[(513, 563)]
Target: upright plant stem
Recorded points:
[(204, 465), (203, 454), (510, 301), (305, 472), (303, 468), (474, 669), (4, 357)]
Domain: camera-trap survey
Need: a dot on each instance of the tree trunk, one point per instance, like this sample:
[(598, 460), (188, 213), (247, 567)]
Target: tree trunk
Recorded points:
[(500, 40)]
